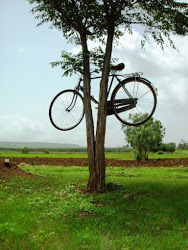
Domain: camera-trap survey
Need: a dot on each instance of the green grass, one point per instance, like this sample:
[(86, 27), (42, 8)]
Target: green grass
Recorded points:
[(50, 212), (41, 155), (114, 155)]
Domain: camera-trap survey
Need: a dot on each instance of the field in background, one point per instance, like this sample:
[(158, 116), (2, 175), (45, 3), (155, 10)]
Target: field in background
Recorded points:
[(111, 153)]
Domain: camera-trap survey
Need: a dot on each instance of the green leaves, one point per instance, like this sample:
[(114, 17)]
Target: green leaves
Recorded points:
[(70, 63), (144, 137), (73, 63), (95, 18)]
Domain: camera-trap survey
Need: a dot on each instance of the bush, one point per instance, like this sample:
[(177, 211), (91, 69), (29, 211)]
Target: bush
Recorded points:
[(168, 147), (45, 150), (183, 145), (25, 150), (160, 153)]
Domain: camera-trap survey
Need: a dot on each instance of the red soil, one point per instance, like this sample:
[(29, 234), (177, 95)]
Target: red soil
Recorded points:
[(15, 170)]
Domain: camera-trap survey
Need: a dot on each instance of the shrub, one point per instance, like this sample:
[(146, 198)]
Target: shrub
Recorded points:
[(160, 153), (168, 147), (45, 150), (25, 150)]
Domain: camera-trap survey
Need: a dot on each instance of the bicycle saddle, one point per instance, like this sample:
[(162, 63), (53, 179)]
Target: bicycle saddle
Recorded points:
[(119, 66)]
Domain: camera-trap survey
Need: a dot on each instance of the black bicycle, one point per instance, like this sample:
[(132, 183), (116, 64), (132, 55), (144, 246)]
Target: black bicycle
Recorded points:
[(132, 95)]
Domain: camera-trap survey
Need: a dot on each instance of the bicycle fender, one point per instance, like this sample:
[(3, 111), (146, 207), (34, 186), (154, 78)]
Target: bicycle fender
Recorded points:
[(152, 85)]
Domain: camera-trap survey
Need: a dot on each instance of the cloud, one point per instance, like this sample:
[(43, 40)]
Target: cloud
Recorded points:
[(17, 128), (167, 70), (20, 129), (152, 60)]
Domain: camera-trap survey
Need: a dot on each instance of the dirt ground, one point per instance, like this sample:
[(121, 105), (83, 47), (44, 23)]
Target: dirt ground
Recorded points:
[(13, 169)]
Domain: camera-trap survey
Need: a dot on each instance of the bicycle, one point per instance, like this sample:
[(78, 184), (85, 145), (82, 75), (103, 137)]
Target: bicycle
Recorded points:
[(132, 95)]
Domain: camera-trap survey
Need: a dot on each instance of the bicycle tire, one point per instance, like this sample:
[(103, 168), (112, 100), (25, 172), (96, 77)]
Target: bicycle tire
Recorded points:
[(64, 115), (145, 101)]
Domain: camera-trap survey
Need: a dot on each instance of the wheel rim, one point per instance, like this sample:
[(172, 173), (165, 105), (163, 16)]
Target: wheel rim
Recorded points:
[(67, 110), (144, 106)]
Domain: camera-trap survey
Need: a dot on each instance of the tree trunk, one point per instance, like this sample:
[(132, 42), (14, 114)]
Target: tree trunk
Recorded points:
[(102, 111), (88, 115), (95, 149)]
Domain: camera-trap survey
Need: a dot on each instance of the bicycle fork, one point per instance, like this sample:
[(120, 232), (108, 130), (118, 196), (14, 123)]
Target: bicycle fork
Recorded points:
[(72, 104)]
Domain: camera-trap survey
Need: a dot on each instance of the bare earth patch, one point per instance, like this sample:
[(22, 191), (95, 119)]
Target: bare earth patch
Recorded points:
[(15, 161), (12, 170)]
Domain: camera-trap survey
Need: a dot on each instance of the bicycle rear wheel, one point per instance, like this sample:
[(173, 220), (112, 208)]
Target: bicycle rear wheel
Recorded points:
[(142, 98), (66, 110)]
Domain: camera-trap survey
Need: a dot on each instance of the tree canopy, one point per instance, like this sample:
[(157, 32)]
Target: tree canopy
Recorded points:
[(95, 17)]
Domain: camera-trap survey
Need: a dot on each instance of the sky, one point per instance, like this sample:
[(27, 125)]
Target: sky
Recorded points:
[(28, 83)]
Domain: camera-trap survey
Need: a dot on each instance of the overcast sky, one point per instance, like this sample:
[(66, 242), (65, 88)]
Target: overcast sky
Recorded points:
[(28, 83)]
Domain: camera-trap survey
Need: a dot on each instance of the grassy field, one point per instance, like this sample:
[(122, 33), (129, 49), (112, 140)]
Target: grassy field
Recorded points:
[(51, 211), (115, 155)]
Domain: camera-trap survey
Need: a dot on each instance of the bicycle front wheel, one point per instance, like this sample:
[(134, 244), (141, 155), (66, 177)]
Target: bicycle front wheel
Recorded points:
[(140, 101), (66, 110)]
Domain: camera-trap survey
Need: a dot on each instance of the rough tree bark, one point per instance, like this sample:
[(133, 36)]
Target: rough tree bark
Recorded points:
[(88, 115), (96, 149), (97, 172)]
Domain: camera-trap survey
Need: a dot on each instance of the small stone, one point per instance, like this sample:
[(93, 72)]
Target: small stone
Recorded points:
[(128, 196), (118, 185), (7, 163), (113, 186), (110, 186)]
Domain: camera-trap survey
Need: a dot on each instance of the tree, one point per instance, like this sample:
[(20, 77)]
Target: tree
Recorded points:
[(165, 147), (183, 144), (168, 147), (104, 20), (25, 150), (45, 150), (144, 137)]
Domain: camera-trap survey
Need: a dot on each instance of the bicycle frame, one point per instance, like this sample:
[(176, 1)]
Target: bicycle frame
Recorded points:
[(129, 102), (79, 87)]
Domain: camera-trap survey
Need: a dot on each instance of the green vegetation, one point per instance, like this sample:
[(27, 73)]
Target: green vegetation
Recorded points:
[(41, 150), (45, 151), (167, 147), (50, 155), (145, 137), (183, 144), (60, 150), (50, 212), (24, 150), (114, 155)]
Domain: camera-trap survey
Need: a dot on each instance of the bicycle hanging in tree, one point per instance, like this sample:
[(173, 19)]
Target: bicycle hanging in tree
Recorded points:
[(132, 95)]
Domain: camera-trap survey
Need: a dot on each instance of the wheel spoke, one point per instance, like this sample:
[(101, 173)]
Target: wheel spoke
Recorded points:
[(139, 90), (66, 110)]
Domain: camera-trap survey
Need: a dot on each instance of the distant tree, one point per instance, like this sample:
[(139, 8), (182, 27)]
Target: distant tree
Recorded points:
[(45, 150), (25, 150), (144, 137), (168, 147), (164, 147), (183, 144), (105, 21)]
